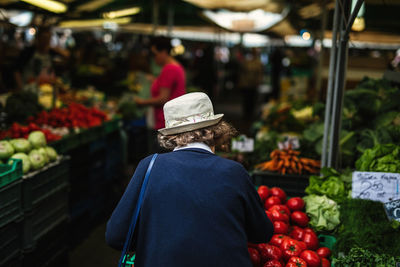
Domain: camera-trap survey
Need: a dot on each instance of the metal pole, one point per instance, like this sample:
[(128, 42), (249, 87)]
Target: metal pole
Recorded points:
[(321, 52), (332, 68), (340, 77), (155, 15), (170, 17)]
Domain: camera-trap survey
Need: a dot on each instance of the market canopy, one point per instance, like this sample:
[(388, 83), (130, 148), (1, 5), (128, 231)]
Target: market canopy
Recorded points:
[(288, 17)]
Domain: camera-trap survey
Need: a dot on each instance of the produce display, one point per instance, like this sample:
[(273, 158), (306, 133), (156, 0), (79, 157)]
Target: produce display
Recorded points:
[(381, 158), (73, 116), (362, 257), (364, 224), (293, 242), (22, 131), (330, 183), (32, 151), (287, 161)]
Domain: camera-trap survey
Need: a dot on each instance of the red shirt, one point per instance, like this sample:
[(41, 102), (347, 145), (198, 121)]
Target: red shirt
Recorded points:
[(172, 76)]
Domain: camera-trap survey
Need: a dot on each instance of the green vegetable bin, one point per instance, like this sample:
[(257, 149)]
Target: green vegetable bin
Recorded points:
[(327, 241), (10, 172)]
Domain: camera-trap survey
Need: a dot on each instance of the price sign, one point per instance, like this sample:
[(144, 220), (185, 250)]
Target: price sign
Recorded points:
[(392, 209), (377, 186), (243, 144), (290, 142)]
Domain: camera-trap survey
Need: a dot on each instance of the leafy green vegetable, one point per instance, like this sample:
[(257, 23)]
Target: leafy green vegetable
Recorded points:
[(359, 257), (332, 184), (323, 212), (381, 158), (364, 224), (21, 105), (370, 138)]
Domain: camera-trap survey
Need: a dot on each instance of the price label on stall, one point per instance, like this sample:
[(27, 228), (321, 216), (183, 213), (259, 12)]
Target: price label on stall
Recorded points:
[(392, 209), (243, 144), (377, 186)]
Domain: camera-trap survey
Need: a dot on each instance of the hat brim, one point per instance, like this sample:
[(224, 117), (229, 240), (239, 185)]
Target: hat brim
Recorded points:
[(191, 126)]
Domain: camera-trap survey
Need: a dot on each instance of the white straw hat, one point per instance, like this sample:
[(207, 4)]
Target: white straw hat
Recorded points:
[(189, 112)]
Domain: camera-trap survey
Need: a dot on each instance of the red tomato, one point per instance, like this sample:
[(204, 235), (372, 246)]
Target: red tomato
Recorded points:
[(273, 263), (276, 191), (298, 260), (323, 252), (273, 200), (311, 240), (295, 203), (311, 257), (297, 233), (255, 257), (281, 208), (277, 240), (263, 192), (290, 248), (280, 227), (279, 216), (302, 245), (299, 218), (269, 252), (269, 215), (308, 230), (325, 263)]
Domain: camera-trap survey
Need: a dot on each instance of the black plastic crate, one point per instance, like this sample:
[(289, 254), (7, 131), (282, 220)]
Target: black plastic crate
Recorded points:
[(66, 144), (293, 185), (39, 186), (14, 262), (47, 215), (49, 245), (10, 242), (10, 202)]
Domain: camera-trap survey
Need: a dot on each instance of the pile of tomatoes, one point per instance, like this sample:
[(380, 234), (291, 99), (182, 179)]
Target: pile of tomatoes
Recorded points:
[(293, 243)]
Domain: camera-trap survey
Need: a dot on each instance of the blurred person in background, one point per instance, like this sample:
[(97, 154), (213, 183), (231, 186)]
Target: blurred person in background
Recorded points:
[(171, 83), (35, 63)]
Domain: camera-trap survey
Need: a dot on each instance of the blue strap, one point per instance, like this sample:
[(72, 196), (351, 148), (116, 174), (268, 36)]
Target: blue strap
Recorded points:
[(128, 241)]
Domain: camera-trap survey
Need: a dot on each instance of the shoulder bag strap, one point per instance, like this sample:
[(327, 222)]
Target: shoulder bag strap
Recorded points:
[(128, 241)]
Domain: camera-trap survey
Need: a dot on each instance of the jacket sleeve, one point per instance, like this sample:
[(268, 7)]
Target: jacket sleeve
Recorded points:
[(119, 222), (259, 228)]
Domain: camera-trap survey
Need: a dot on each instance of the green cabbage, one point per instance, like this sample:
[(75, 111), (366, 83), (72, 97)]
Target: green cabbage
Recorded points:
[(37, 139), (51, 153), (37, 159), (323, 212), (21, 145), (6, 150), (26, 164)]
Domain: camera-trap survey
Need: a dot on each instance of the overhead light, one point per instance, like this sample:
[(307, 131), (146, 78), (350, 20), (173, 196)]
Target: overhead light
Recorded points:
[(20, 19), (253, 21), (306, 36), (121, 13), (50, 5), (93, 22), (92, 5), (359, 24)]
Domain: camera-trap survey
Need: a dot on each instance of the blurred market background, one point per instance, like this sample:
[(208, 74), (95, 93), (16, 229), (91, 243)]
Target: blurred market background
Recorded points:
[(331, 95)]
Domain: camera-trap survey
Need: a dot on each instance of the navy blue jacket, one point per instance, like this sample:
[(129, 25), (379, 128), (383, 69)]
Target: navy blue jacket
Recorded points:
[(199, 210)]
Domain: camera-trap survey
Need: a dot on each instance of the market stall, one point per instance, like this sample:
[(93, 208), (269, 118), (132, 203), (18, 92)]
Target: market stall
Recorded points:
[(324, 158)]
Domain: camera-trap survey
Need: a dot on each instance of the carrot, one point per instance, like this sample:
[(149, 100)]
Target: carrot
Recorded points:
[(286, 162), (300, 167), (293, 166), (280, 164), (283, 170)]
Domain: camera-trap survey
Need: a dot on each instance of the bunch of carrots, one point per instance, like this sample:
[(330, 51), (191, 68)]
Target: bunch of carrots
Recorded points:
[(287, 161)]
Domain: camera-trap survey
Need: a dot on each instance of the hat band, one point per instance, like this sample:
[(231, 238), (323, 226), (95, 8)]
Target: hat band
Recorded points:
[(189, 120)]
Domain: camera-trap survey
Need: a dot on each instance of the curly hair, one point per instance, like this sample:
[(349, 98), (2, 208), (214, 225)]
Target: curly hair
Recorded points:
[(218, 135)]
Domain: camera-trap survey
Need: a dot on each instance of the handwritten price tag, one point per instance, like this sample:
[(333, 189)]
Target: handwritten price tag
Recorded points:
[(243, 144), (378, 186)]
